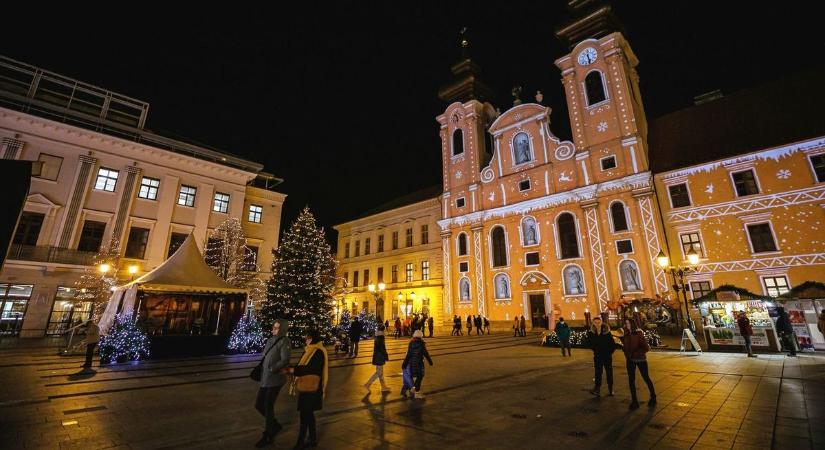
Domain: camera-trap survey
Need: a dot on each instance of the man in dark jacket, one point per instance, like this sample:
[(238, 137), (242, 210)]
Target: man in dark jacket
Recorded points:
[(478, 325), (430, 325), (785, 330), (600, 341), (276, 358), (563, 333), (469, 324), (355, 330), (746, 331)]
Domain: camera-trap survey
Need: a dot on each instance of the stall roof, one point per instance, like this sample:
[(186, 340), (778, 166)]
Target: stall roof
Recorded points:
[(744, 294), (185, 271), (808, 289)]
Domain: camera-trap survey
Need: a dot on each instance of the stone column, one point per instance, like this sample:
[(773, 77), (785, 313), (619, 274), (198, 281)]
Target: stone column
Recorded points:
[(643, 198), (591, 213), (10, 148), (81, 187), (481, 300), (447, 275), (125, 204)]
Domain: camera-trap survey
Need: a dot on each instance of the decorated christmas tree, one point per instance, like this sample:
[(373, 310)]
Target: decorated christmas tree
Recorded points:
[(369, 323), (303, 278), (227, 254), (125, 341), (248, 336), (344, 322)]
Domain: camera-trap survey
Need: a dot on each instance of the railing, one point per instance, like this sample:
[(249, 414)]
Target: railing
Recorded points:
[(50, 254)]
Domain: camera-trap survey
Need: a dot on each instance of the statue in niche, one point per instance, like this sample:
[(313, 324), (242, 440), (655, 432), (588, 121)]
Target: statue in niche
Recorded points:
[(465, 290), (574, 281), (522, 152), (502, 289), (630, 276), (530, 232)]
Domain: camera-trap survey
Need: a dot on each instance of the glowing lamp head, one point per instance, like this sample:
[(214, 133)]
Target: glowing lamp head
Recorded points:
[(104, 268), (662, 260), (381, 286), (133, 269), (412, 295), (400, 296), (692, 256), (371, 288)]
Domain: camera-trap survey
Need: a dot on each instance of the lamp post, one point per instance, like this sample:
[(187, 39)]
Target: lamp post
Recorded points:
[(378, 294), (403, 297), (678, 273)]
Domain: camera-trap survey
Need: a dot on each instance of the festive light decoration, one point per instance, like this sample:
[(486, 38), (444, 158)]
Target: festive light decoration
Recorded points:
[(227, 254), (248, 336), (95, 284), (302, 283), (125, 341), (369, 323), (344, 322), (578, 338)]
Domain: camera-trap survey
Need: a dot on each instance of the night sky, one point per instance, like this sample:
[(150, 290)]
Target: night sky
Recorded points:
[(341, 101)]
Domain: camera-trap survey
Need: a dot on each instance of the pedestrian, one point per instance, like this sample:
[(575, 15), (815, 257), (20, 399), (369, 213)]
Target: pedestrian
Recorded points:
[(430, 325), (563, 333), (635, 349), (523, 326), (275, 361), (478, 325), (821, 323), (746, 331), (379, 358), (469, 324), (397, 327), (600, 341), (453, 332), (416, 354), (486, 324), (355, 330), (785, 331), (386, 324), (92, 339), (516, 327), (315, 362)]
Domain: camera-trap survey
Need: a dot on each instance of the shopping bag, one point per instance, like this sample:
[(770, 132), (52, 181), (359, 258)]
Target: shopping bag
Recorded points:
[(408, 381)]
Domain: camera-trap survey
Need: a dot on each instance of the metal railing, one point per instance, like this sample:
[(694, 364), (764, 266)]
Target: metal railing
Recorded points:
[(50, 254)]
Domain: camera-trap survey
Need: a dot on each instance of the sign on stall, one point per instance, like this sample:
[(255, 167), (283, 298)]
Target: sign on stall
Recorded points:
[(732, 336)]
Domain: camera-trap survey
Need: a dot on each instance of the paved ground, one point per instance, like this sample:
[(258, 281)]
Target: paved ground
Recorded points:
[(484, 392)]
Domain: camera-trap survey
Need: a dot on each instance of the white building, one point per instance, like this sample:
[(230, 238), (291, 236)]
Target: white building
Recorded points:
[(105, 175)]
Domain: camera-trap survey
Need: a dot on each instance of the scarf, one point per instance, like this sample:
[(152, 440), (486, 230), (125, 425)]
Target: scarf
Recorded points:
[(309, 351)]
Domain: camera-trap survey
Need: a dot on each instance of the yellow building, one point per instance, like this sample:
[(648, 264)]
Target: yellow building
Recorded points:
[(396, 244)]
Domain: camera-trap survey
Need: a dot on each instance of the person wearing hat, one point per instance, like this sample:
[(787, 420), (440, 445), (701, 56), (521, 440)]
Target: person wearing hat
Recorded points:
[(416, 353)]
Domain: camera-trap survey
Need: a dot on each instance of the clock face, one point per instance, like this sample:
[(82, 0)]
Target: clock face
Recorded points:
[(587, 56)]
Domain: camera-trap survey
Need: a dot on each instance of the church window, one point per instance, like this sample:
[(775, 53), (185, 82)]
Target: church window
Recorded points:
[(594, 88)]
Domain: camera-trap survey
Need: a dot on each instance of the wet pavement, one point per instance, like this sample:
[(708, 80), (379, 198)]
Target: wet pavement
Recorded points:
[(483, 392)]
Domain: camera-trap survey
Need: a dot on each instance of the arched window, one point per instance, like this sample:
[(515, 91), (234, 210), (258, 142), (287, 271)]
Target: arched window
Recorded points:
[(594, 87), (521, 148), (464, 290), (568, 240), (629, 275), (502, 286), (617, 213), (499, 246), (529, 232), (458, 142), (462, 244), (573, 280)]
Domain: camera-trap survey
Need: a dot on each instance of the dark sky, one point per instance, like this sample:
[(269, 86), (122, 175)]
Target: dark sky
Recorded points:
[(339, 98)]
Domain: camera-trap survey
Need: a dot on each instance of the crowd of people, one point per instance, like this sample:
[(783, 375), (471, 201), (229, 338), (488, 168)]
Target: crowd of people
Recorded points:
[(409, 325), (479, 322)]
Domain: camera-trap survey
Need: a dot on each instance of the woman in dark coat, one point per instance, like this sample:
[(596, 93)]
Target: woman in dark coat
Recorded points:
[(313, 362), (635, 347), (416, 353), (379, 358)]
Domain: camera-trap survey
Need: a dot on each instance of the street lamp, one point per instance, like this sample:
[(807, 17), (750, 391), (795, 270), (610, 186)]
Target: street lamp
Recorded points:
[(678, 273), (132, 271), (378, 293), (403, 297), (104, 268)]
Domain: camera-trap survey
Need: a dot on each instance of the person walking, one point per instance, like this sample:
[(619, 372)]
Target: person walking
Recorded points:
[(397, 327), (635, 349), (92, 339), (379, 358), (453, 331), (469, 324), (355, 330), (275, 361), (486, 324), (785, 330), (478, 324), (746, 331), (430, 325), (516, 327), (563, 333), (314, 361), (523, 326), (416, 354), (600, 341)]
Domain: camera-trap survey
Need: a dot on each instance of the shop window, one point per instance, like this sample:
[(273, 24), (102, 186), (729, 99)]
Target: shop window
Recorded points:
[(775, 286), (91, 236), (14, 299), (679, 196), (149, 188), (745, 183), (67, 311), (594, 88), (761, 238), (498, 243), (568, 236)]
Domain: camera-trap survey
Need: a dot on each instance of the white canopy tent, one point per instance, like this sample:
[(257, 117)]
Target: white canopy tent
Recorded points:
[(184, 272)]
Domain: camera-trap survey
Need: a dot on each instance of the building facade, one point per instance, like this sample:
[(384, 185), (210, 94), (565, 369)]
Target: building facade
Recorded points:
[(399, 247), (105, 176)]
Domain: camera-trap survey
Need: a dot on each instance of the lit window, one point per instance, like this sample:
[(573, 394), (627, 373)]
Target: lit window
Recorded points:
[(409, 272), (106, 179), (220, 203), (425, 270), (149, 188), (691, 241), (255, 213), (776, 286), (699, 288), (186, 197)]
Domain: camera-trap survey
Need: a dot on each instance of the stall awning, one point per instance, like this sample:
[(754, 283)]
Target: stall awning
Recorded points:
[(185, 272), (808, 289), (721, 294)]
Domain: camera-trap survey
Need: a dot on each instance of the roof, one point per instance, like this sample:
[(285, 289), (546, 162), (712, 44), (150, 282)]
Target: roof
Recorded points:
[(428, 193), (744, 294), (808, 289), (185, 271), (766, 116)]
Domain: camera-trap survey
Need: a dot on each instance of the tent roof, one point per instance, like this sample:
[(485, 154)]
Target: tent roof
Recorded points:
[(744, 294), (185, 271), (808, 289)]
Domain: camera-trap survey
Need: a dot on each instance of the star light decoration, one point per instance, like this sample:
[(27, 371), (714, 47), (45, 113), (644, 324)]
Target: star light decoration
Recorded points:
[(601, 127)]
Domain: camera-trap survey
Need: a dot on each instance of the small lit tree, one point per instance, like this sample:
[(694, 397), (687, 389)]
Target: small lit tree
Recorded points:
[(227, 254), (125, 341), (98, 279), (248, 336), (369, 323)]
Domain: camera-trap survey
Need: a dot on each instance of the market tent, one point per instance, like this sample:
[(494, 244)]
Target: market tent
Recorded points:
[(184, 272), (744, 294), (808, 289)]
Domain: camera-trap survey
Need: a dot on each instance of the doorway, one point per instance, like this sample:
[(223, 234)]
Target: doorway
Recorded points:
[(538, 315)]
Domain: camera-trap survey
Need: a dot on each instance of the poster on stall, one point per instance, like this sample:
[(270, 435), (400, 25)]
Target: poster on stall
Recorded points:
[(731, 336), (800, 328)]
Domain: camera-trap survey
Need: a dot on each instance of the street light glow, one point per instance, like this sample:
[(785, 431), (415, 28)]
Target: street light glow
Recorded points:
[(371, 288), (692, 256), (104, 268), (133, 269), (662, 260), (381, 286)]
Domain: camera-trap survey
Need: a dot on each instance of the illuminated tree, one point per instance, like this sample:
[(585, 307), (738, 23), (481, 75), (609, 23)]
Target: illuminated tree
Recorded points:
[(248, 336), (125, 341), (98, 279)]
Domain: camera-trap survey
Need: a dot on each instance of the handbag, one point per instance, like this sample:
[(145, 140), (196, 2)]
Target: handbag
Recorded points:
[(306, 384), (258, 370)]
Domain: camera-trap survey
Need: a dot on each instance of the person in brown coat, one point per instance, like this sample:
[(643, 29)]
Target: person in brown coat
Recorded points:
[(635, 350), (746, 331)]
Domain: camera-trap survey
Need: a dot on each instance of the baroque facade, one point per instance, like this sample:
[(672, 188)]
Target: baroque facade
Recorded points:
[(104, 175)]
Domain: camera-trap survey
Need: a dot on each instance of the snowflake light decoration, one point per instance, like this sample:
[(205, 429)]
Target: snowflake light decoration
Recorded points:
[(601, 127), (783, 174), (458, 174)]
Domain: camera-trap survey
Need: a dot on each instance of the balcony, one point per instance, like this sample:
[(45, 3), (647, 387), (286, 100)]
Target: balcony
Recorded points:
[(50, 254)]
